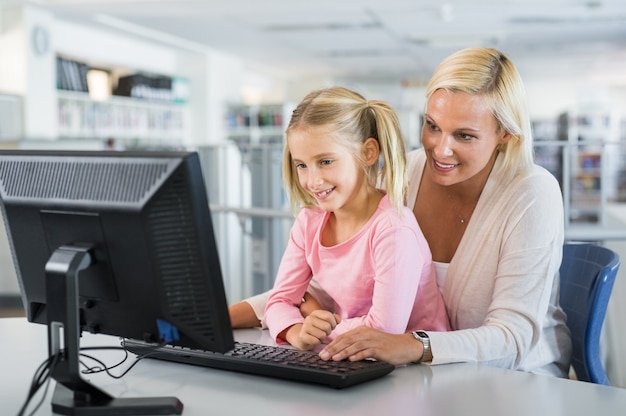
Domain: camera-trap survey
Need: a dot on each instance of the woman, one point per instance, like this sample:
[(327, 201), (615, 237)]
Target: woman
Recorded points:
[(494, 223)]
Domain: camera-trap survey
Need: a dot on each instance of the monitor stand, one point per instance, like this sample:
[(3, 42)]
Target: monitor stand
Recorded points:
[(73, 395)]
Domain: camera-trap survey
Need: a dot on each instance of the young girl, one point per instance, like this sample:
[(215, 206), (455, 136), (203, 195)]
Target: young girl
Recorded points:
[(362, 246)]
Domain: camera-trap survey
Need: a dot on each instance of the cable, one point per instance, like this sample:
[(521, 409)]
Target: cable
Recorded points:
[(102, 366), (42, 375)]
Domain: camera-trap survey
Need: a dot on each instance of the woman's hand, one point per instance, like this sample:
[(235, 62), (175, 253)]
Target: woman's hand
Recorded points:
[(315, 328), (364, 342), (309, 304)]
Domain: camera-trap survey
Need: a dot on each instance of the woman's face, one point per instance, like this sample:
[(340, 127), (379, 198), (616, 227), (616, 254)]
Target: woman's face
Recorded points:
[(460, 136)]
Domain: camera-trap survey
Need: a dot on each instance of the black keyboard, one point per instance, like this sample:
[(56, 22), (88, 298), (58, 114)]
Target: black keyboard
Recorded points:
[(270, 361)]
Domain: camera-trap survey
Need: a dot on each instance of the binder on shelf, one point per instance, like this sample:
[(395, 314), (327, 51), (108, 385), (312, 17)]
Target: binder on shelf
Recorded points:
[(146, 87), (71, 75)]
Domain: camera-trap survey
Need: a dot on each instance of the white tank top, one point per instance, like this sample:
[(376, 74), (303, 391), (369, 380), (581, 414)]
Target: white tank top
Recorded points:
[(441, 270)]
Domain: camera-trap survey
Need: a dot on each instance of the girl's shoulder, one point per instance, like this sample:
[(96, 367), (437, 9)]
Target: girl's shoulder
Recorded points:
[(387, 214), (307, 213)]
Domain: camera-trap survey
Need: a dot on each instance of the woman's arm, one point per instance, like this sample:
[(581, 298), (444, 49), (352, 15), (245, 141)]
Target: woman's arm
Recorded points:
[(242, 316), (309, 304), (249, 312)]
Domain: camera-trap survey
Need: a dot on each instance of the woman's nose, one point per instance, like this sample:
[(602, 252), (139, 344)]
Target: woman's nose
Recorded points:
[(443, 147)]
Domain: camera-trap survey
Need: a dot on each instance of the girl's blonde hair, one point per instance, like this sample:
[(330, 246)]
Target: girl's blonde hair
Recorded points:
[(490, 74), (354, 119)]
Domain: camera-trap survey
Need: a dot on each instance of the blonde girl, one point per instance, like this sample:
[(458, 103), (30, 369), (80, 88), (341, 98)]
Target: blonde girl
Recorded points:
[(360, 244)]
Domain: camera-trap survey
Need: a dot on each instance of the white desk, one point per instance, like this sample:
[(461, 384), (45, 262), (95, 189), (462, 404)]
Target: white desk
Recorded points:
[(456, 389)]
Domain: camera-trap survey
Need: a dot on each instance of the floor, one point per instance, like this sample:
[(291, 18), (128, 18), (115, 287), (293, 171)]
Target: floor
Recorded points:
[(11, 312), (11, 307)]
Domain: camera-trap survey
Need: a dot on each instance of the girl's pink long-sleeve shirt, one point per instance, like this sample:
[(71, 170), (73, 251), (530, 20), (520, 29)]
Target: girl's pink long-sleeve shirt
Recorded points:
[(381, 277)]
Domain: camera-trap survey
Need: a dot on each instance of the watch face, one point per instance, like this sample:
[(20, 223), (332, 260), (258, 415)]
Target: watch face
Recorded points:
[(422, 334)]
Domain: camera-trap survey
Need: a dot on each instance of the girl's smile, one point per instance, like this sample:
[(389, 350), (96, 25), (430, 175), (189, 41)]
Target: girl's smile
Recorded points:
[(323, 194)]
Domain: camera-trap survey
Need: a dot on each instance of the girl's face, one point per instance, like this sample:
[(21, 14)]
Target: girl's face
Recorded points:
[(460, 136), (327, 170)]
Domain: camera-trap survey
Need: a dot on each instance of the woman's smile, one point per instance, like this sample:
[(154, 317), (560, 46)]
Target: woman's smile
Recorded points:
[(444, 167)]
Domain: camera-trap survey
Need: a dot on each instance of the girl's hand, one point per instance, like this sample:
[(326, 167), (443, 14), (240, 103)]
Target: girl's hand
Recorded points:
[(364, 342), (315, 328)]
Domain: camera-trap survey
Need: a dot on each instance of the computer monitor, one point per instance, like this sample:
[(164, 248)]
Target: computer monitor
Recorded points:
[(118, 243)]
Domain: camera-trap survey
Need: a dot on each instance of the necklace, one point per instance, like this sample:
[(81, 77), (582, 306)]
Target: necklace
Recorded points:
[(457, 211)]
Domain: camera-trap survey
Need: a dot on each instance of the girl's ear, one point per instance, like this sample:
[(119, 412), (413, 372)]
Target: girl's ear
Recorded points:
[(371, 151)]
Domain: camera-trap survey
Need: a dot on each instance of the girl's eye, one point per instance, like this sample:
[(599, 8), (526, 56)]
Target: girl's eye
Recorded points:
[(300, 166), (326, 162)]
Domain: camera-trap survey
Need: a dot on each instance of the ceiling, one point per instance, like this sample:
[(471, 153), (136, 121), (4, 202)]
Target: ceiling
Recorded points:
[(388, 39)]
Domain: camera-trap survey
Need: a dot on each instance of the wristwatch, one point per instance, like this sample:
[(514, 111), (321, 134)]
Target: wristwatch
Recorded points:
[(423, 337)]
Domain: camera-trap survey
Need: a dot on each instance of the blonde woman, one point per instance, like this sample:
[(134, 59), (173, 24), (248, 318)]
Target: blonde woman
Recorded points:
[(494, 223)]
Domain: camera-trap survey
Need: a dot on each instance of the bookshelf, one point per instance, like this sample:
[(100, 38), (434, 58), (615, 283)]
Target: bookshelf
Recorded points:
[(137, 110), (122, 118), (257, 124), (594, 164)]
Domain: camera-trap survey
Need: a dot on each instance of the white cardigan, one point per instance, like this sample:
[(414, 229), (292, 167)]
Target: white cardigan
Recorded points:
[(500, 291)]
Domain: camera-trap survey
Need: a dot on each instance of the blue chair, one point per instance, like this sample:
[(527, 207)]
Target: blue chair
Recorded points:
[(587, 275)]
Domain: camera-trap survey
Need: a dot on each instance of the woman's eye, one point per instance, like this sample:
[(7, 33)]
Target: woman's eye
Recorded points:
[(432, 126), (326, 162), (466, 137), (300, 166)]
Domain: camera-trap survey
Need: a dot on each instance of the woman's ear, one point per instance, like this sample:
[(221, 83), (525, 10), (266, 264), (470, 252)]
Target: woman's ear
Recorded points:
[(371, 151), (504, 139)]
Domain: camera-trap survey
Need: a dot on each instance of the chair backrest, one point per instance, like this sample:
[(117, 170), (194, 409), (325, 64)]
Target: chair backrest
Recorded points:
[(587, 275)]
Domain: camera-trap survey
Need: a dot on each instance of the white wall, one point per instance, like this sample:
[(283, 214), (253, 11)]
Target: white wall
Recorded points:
[(24, 72), (614, 327)]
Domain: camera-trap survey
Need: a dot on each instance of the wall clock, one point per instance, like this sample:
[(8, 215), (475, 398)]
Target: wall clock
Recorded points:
[(41, 40)]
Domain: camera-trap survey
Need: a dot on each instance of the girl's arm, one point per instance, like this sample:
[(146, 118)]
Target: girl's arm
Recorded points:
[(292, 280)]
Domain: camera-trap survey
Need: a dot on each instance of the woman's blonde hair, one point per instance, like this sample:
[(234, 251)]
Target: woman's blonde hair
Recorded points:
[(491, 74), (354, 119)]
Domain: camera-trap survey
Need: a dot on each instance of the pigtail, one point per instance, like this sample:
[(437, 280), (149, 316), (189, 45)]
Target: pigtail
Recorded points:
[(393, 172)]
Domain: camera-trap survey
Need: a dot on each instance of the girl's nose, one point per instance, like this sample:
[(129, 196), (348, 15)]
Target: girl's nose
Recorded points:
[(315, 181)]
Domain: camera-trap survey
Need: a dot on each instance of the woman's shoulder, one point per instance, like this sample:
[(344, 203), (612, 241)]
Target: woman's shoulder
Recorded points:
[(536, 178), (539, 180), (415, 157), (536, 187)]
